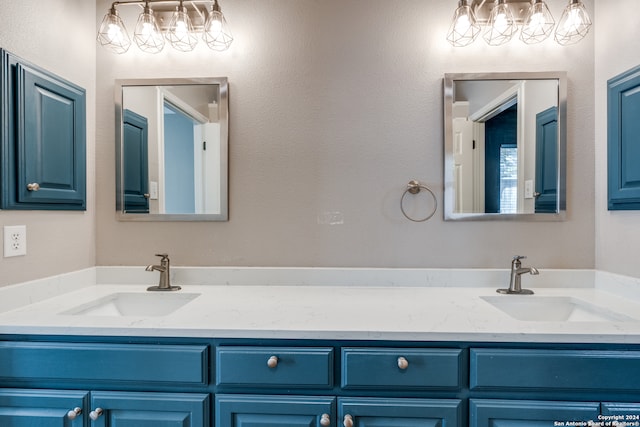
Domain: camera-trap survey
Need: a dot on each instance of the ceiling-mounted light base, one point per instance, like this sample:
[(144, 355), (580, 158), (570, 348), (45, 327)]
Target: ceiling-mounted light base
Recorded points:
[(197, 13), (483, 8)]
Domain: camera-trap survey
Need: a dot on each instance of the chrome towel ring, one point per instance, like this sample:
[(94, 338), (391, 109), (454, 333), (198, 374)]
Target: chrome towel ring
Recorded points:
[(414, 187)]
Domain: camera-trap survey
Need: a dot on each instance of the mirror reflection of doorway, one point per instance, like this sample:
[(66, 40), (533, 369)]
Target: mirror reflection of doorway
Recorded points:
[(136, 164), (178, 161), (501, 160)]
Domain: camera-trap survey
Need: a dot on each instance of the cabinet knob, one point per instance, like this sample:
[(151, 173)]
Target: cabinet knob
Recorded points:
[(325, 420), (95, 414), (348, 421), (272, 362), (146, 195), (34, 186), (403, 363), (72, 414)]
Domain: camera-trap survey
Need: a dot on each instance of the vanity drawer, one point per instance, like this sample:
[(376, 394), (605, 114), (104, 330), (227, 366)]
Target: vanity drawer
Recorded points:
[(139, 364), (574, 370), (401, 368), (274, 366)]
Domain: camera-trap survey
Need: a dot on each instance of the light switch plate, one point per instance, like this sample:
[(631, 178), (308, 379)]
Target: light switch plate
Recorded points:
[(15, 240)]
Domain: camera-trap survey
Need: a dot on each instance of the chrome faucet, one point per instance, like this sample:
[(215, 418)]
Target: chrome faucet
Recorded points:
[(515, 285), (165, 275)]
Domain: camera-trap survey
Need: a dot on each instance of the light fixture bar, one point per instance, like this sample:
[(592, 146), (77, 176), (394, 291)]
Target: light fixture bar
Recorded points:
[(500, 20), (192, 15)]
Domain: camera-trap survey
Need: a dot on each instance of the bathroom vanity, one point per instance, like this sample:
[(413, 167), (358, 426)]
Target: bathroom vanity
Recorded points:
[(313, 355)]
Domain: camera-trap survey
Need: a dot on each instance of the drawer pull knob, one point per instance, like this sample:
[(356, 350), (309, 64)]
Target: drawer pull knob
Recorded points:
[(272, 362), (403, 363), (325, 421), (73, 414), (95, 414), (34, 186), (348, 421)]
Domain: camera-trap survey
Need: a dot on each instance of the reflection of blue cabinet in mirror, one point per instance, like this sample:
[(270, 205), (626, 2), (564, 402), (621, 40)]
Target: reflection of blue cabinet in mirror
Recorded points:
[(136, 163), (43, 139), (547, 161), (623, 141)]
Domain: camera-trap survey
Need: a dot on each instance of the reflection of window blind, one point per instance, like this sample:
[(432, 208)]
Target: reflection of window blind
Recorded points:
[(508, 179)]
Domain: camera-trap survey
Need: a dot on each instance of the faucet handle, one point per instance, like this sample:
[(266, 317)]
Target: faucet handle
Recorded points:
[(519, 257), (163, 256)]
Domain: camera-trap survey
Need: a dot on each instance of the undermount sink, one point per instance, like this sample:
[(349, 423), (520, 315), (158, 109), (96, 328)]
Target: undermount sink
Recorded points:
[(140, 304), (553, 309)]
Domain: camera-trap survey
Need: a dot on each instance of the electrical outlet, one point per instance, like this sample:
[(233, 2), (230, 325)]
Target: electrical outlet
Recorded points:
[(15, 240)]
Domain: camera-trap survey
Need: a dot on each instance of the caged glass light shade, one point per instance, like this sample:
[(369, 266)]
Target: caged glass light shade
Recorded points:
[(464, 28), (574, 23), (538, 23), (147, 34), (180, 33), (112, 33), (216, 33), (501, 26)]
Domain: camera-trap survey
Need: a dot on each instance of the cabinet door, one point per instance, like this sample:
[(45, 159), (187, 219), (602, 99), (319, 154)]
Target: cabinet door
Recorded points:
[(630, 412), (529, 413), (381, 412), (273, 411), (623, 152), (131, 409), (43, 139), (42, 408)]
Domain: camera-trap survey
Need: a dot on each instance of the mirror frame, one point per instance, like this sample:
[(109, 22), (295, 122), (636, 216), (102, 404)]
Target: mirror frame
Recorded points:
[(223, 111), (449, 172)]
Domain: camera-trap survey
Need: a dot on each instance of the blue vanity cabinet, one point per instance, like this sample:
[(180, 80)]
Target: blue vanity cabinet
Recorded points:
[(405, 412), (42, 140), (530, 413), (136, 409), (294, 386), (42, 408), (124, 383), (245, 410)]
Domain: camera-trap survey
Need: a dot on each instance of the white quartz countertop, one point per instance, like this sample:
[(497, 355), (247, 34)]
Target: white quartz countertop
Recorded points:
[(309, 311)]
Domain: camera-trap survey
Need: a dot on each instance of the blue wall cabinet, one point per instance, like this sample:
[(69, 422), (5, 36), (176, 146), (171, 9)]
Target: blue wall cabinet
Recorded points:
[(130, 409), (42, 408), (43, 140), (371, 412), (498, 413), (273, 411), (623, 141)]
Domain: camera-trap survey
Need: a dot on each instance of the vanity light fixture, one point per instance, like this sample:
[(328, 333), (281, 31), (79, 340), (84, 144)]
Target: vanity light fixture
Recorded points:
[(464, 28), (180, 33), (112, 33), (216, 30), (501, 26), (538, 23), (179, 22), (500, 20), (147, 35), (574, 23)]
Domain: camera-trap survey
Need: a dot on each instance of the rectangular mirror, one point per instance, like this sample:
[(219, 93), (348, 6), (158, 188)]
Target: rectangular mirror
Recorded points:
[(172, 149), (505, 146)]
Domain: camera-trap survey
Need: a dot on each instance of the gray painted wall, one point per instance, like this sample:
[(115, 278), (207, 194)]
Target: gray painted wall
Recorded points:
[(335, 105)]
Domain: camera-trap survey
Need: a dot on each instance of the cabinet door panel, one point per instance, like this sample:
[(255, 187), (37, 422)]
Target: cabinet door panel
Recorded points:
[(129, 409), (631, 410), (528, 413), (272, 411), (51, 139), (383, 412), (40, 408)]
